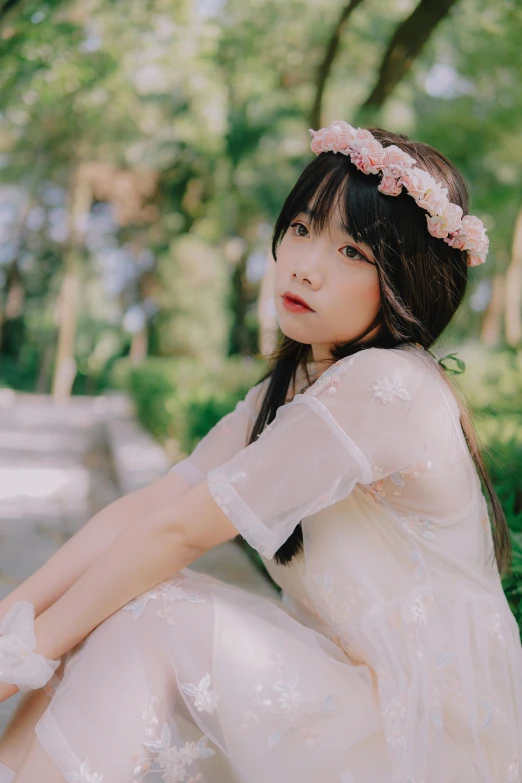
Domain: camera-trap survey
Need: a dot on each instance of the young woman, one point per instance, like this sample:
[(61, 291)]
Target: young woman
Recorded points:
[(353, 470)]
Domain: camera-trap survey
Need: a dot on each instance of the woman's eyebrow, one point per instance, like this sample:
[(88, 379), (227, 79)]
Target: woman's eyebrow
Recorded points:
[(307, 211)]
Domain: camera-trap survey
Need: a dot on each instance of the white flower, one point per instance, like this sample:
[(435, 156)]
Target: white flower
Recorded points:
[(394, 709), (414, 611), (168, 591), (385, 390), (84, 774), (204, 700)]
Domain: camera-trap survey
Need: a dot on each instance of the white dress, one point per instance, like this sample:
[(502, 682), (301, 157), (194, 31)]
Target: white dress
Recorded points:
[(393, 656)]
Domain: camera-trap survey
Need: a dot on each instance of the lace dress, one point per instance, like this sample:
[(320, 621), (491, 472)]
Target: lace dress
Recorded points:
[(392, 655)]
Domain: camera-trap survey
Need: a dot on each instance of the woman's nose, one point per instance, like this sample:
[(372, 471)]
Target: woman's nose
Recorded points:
[(308, 274)]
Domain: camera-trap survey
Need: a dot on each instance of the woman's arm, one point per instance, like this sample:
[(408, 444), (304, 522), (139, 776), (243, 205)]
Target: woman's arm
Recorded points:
[(146, 552), (51, 580)]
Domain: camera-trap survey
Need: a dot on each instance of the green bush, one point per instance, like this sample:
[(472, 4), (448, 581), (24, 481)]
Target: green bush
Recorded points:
[(492, 383), (502, 436), (180, 400)]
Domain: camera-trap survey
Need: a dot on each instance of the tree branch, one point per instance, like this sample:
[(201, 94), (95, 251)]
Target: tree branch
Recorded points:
[(6, 7), (405, 45), (329, 57)]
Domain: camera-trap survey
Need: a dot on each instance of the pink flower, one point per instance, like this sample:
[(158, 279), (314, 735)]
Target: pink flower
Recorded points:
[(366, 152), (444, 220), (396, 161), (436, 226), (447, 223), (390, 185), (458, 240), (453, 217), (477, 242), (416, 181), (474, 259), (335, 138), (471, 236), (435, 199)]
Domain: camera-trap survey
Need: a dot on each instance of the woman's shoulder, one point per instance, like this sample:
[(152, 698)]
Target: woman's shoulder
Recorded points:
[(381, 367)]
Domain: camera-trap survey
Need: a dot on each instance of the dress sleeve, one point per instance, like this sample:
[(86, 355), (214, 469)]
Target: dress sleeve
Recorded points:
[(362, 412), (227, 437)]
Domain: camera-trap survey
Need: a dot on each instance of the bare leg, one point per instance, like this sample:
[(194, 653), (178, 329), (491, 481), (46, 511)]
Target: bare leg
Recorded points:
[(19, 734), (37, 767)]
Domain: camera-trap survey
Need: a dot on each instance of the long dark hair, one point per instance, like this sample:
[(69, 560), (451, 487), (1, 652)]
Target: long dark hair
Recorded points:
[(422, 284)]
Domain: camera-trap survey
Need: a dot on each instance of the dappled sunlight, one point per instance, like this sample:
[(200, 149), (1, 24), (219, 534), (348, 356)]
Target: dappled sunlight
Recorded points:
[(27, 482)]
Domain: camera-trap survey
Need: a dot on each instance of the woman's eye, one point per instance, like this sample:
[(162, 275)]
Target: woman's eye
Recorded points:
[(297, 227), (352, 252)]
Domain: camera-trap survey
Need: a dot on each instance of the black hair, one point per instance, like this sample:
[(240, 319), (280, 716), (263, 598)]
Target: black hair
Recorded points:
[(422, 283)]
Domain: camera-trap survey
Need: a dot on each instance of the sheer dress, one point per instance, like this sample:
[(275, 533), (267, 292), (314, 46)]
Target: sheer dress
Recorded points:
[(392, 655)]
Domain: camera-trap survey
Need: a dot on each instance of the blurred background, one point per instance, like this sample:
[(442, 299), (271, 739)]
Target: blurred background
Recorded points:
[(146, 147)]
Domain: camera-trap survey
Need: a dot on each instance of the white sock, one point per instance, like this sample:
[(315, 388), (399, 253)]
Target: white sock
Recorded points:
[(6, 773)]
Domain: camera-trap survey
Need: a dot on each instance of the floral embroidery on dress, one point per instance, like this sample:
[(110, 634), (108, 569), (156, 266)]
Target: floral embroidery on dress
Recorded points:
[(330, 378), (414, 614), (173, 761), (437, 719), (385, 390), (204, 700), (495, 626), (84, 774), (413, 611), (393, 713), (418, 526), (393, 483), (169, 591), (336, 609), (290, 707), (494, 715)]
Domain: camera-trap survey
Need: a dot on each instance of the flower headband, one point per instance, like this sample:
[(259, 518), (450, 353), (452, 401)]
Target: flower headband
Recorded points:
[(444, 220)]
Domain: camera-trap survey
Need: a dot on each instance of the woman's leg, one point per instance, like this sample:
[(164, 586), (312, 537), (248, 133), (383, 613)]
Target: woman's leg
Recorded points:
[(37, 767), (19, 733)]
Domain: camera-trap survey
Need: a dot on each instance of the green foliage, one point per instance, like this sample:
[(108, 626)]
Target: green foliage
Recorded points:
[(193, 320), (180, 400), (492, 384)]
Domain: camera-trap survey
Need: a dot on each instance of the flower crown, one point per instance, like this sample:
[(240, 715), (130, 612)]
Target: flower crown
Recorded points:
[(444, 220)]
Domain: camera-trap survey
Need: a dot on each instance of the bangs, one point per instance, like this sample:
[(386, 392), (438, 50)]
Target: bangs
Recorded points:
[(366, 214)]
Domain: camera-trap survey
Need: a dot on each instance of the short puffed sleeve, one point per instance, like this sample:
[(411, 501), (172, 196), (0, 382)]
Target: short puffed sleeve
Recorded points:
[(364, 410), (225, 439)]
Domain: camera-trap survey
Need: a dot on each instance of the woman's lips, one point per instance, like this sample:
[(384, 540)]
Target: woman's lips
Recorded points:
[(295, 307)]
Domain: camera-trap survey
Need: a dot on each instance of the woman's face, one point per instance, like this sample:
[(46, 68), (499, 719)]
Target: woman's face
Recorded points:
[(335, 276)]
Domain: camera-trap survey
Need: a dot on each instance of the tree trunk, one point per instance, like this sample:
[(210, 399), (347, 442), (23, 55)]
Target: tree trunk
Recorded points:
[(266, 313), (14, 284), (405, 45), (491, 328), (80, 198), (7, 6), (139, 347), (325, 67), (514, 288)]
